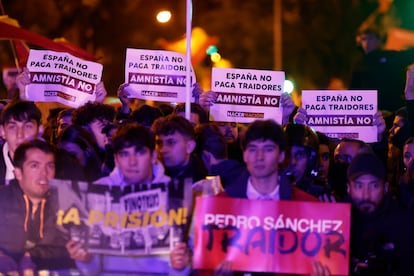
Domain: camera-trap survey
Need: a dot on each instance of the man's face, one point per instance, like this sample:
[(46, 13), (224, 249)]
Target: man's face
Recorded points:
[(16, 132), (397, 124), (229, 131), (298, 162), (367, 192), (408, 154), (63, 123), (369, 42), (345, 152), (262, 158), (34, 176), (323, 160), (136, 166), (96, 127), (174, 150)]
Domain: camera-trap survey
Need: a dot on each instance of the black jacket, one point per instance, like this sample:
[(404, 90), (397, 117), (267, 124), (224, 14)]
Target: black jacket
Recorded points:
[(384, 240), (228, 170)]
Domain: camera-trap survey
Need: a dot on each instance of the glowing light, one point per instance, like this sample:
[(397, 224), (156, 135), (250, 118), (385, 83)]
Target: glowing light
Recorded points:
[(164, 16), (212, 49), (215, 57), (288, 86)]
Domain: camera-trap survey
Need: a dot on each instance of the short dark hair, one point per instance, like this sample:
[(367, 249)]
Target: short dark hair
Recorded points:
[(133, 135), (209, 138), (402, 112), (173, 123), (409, 141), (376, 31), (301, 135), (79, 136), (145, 115), (264, 130), (65, 113), (195, 108), (90, 112), (21, 111), (323, 139), (20, 153)]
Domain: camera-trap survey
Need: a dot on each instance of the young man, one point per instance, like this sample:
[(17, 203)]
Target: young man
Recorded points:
[(212, 148), (94, 117), (175, 143), (135, 164), (29, 238), (21, 121), (382, 233), (303, 144), (264, 147), (135, 158)]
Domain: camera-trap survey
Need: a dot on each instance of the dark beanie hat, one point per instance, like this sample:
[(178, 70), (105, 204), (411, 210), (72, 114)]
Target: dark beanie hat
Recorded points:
[(366, 163)]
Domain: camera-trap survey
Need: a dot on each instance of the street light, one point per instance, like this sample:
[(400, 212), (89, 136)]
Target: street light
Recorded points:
[(163, 16)]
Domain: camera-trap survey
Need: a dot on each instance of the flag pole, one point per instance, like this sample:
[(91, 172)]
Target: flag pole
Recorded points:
[(188, 87)]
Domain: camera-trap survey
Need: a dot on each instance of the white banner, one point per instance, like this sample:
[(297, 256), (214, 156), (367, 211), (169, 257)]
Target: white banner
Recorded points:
[(245, 95), (135, 220), (61, 77), (157, 75), (342, 113)]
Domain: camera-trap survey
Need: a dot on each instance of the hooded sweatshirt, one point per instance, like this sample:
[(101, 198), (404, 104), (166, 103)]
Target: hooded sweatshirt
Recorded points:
[(149, 265)]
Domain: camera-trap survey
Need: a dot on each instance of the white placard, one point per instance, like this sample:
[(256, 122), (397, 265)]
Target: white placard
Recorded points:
[(61, 77), (245, 95), (342, 113), (157, 75)]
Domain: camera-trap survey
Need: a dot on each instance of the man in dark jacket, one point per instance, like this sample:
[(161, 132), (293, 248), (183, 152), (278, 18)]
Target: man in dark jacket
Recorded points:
[(382, 233), (213, 150), (29, 238), (264, 147)]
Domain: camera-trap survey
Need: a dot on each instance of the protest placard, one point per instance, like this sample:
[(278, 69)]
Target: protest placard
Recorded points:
[(245, 95), (271, 236), (61, 77), (342, 113), (157, 75), (133, 221)]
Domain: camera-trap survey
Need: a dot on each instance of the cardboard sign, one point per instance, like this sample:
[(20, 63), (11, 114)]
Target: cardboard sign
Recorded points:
[(244, 96), (271, 236), (344, 113), (61, 77), (157, 75), (130, 221)]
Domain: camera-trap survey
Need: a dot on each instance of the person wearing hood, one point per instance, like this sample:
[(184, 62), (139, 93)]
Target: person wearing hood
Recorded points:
[(135, 164)]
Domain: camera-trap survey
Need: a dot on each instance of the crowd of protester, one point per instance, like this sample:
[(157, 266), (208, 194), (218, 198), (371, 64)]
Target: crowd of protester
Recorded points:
[(263, 160)]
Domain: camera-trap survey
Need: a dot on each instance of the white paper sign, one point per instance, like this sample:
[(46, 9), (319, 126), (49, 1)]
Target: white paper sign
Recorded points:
[(342, 113), (157, 75), (61, 77), (245, 95)]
